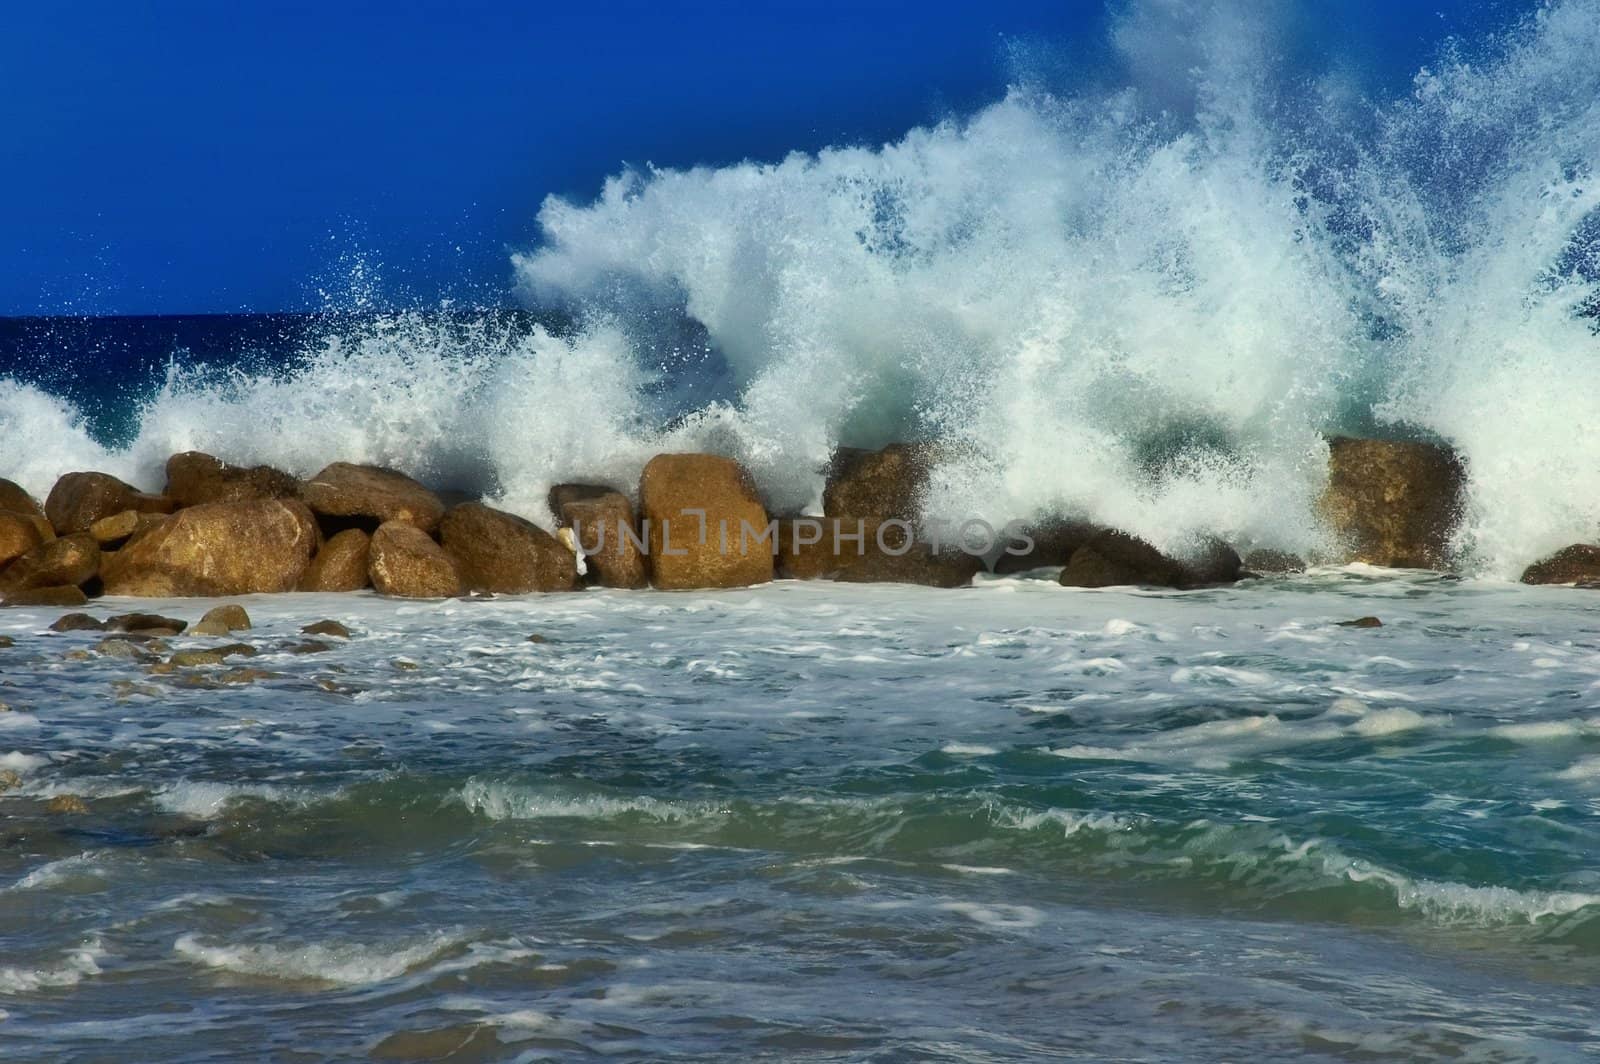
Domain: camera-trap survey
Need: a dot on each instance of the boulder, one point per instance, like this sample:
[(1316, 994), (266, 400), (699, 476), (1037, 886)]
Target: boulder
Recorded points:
[(223, 619), (13, 499), (1054, 542), (878, 486), (47, 596), (406, 563), (194, 478), (373, 495), (501, 553), (19, 534), (704, 523), (341, 564), (1392, 503), (1577, 564), (1116, 559), (601, 520), (78, 500), (217, 549), (812, 548), (150, 624), (69, 561), (118, 528), (1274, 563)]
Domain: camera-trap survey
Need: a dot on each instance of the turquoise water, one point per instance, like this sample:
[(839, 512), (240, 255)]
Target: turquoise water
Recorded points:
[(1012, 822)]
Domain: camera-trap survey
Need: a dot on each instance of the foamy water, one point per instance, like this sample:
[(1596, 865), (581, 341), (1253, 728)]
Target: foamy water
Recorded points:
[(825, 814)]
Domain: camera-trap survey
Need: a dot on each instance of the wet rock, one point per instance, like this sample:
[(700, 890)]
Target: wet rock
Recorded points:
[(405, 563), (47, 596), (1274, 563), (601, 520), (150, 624), (879, 486), (71, 561), (852, 551), (127, 649), (194, 478), (705, 523), (1577, 564), (6, 642), (377, 495), (329, 628), (189, 659), (1053, 543), (1116, 559), (119, 528), (13, 499), (19, 534), (501, 553), (217, 549), (223, 619), (1362, 622), (246, 675), (537, 638), (66, 805), (341, 564), (403, 665), (310, 646), (1393, 504), (78, 500), (10, 780)]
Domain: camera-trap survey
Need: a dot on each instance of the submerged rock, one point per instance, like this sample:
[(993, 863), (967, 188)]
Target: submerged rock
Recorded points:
[(1577, 564), (341, 564), (78, 500), (217, 549), (504, 554), (194, 478), (705, 522), (406, 563), (602, 519), (1362, 622), (66, 805), (70, 561), (378, 495), (333, 628), (222, 620), (1393, 503)]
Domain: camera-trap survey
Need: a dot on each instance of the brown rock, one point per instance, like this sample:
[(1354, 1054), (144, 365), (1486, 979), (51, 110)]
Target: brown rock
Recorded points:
[(377, 495), (6, 642), (723, 548), (878, 486), (502, 553), (151, 624), (47, 596), (333, 628), (1052, 543), (1577, 564), (78, 500), (222, 620), (14, 499), (1362, 622), (813, 548), (194, 478), (1274, 562), (405, 563), (109, 531), (69, 561), (66, 804), (341, 564), (1393, 504), (19, 533), (602, 520), (220, 549), (1116, 559), (77, 622)]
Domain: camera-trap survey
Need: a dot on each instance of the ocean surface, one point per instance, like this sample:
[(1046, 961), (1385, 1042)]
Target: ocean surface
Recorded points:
[(826, 822)]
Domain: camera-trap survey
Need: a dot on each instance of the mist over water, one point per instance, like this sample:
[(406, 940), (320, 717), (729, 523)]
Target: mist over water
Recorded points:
[(1145, 304)]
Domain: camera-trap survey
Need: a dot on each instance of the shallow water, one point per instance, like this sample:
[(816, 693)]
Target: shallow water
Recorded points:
[(1011, 822)]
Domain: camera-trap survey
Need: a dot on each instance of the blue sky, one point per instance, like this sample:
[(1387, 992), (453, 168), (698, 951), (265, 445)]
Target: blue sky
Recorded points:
[(200, 157)]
